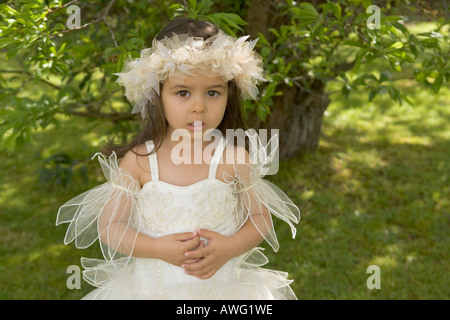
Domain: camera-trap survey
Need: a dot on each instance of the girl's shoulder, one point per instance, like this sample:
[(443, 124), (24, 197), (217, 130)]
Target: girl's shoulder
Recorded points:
[(236, 154), (236, 161), (135, 161)]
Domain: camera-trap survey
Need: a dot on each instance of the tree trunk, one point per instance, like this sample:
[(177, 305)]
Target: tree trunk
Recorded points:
[(298, 116), (298, 113), (258, 18)]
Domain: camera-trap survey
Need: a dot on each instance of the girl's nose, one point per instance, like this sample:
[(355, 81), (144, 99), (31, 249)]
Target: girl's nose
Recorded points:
[(198, 105)]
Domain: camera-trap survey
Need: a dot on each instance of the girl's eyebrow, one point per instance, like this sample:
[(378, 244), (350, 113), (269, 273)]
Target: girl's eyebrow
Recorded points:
[(220, 86), (182, 86), (179, 86)]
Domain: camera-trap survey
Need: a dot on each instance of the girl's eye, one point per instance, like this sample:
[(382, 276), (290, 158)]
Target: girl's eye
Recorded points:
[(183, 93), (212, 93)]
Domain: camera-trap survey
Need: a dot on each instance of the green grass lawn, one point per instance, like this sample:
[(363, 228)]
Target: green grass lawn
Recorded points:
[(375, 193)]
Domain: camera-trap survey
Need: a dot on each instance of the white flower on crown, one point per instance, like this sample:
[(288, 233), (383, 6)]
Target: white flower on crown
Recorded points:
[(197, 45), (226, 56), (181, 54), (155, 60)]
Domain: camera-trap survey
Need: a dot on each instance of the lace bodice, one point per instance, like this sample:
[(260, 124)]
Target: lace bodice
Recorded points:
[(208, 204)]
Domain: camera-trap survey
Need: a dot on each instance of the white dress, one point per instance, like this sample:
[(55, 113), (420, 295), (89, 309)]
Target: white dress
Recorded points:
[(159, 208)]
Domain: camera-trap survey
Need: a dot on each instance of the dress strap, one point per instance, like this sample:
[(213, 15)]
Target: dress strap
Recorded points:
[(153, 160), (215, 159)]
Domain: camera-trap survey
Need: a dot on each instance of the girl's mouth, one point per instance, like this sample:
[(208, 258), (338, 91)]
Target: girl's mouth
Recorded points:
[(196, 126)]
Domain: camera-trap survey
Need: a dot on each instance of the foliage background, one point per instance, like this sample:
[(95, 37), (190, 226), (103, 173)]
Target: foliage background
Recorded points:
[(375, 192)]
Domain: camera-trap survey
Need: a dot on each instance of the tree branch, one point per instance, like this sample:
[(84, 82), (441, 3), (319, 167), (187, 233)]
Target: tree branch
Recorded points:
[(106, 116), (111, 32), (31, 75), (62, 7), (102, 17)]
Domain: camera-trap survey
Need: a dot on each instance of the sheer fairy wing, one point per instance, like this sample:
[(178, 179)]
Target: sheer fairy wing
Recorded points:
[(110, 213), (258, 198)]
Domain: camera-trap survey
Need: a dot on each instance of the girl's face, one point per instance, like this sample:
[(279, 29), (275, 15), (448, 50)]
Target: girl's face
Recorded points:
[(200, 99)]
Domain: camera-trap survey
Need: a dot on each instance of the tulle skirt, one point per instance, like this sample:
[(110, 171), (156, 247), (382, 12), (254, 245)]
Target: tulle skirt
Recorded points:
[(149, 279)]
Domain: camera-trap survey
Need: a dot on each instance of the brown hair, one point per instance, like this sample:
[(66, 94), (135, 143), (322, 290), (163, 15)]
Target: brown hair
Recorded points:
[(155, 124)]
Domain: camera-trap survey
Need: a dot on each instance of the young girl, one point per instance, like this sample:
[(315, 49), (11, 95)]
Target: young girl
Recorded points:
[(171, 229)]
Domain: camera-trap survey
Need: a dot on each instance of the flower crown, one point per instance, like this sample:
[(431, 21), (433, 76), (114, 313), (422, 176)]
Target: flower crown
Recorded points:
[(222, 54)]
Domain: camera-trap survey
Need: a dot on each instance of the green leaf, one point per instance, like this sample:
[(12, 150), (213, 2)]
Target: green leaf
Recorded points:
[(395, 94), (308, 8), (396, 45), (346, 90), (204, 6), (7, 41), (437, 83), (9, 143), (226, 21), (400, 27), (263, 110), (7, 9), (193, 4), (269, 91), (177, 7), (233, 19), (275, 32), (262, 39), (305, 13), (413, 49), (373, 93), (395, 64), (359, 56), (361, 80), (402, 55), (335, 7), (120, 63), (62, 47), (132, 43)]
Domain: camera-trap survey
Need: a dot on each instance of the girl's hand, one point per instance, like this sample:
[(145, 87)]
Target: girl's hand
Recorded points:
[(200, 245), (172, 248), (210, 258)]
